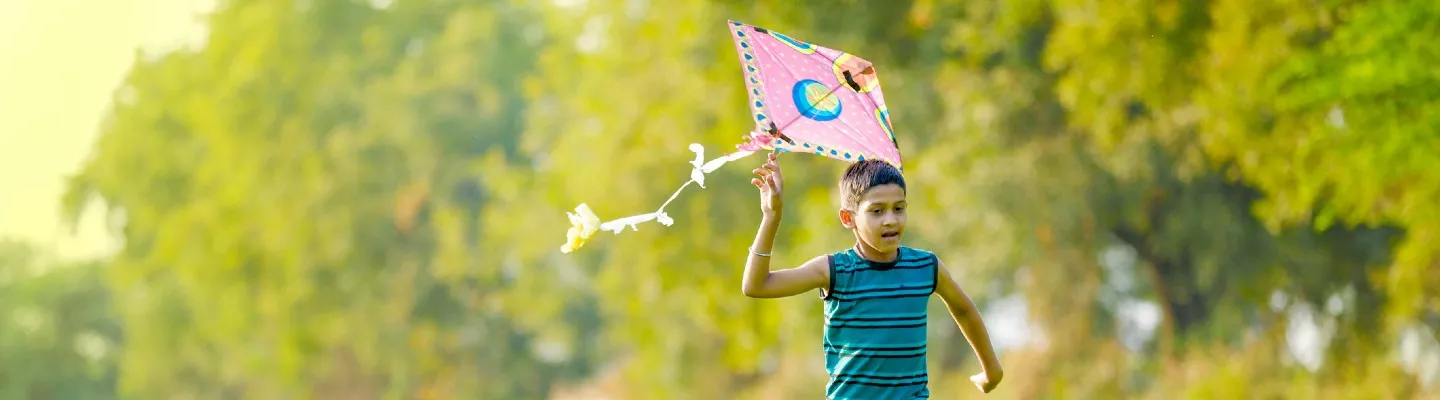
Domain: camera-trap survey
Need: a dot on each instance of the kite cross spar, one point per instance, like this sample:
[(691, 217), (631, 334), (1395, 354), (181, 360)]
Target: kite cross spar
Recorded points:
[(827, 102)]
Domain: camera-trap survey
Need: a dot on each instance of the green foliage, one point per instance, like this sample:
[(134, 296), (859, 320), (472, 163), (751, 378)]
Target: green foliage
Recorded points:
[(301, 203), (1328, 109), (59, 336), (331, 199)]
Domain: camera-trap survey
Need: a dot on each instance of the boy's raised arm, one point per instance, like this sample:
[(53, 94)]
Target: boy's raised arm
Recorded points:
[(759, 282), (963, 310)]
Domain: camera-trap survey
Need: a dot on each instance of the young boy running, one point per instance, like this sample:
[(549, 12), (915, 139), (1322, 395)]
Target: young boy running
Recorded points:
[(876, 293)]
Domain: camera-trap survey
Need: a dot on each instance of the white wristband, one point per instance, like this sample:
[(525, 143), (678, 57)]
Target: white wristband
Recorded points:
[(752, 251)]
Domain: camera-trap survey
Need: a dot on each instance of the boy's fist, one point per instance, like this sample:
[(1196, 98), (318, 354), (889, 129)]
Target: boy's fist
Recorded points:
[(984, 383)]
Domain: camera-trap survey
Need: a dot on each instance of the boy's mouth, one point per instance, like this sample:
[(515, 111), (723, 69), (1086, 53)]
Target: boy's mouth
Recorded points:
[(889, 234)]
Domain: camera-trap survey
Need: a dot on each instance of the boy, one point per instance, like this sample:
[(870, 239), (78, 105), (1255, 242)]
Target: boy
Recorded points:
[(876, 293)]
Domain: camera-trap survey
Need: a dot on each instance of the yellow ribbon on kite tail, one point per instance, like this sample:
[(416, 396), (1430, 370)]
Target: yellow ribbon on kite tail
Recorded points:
[(585, 224)]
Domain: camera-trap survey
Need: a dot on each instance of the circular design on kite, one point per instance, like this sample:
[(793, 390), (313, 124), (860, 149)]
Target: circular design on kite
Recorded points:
[(859, 69), (802, 47), (815, 101)]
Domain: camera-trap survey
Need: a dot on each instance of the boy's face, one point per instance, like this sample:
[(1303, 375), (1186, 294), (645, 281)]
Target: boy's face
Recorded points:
[(879, 218)]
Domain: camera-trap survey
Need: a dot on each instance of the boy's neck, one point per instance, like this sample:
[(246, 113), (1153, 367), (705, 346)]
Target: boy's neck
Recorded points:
[(869, 253)]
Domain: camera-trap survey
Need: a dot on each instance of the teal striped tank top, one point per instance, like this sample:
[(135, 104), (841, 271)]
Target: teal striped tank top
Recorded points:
[(875, 321)]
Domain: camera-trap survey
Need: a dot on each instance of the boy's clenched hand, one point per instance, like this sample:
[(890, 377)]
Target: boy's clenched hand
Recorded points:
[(985, 382)]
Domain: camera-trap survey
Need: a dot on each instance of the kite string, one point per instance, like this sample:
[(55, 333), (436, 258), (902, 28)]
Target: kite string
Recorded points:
[(674, 195), (697, 176)]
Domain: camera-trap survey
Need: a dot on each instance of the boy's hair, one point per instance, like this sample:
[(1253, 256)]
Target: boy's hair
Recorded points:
[(860, 176)]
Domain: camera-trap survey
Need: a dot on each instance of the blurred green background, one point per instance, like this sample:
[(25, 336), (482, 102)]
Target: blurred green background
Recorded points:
[(336, 199)]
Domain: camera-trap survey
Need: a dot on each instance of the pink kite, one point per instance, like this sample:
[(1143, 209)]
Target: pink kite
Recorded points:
[(812, 99), (803, 97)]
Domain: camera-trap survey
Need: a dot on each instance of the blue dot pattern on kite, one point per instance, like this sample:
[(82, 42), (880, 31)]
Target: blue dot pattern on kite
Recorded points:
[(815, 101)]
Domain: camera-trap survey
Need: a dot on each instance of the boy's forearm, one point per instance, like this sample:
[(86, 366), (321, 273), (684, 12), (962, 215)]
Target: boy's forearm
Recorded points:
[(979, 338), (757, 268)]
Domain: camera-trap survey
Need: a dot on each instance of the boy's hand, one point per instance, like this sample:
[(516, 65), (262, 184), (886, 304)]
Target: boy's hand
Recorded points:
[(984, 382), (770, 184)]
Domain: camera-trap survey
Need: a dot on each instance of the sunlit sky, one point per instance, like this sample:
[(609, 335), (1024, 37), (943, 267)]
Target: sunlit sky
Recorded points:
[(59, 62)]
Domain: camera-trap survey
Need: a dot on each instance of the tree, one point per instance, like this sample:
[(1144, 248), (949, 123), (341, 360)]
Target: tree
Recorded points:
[(334, 199), (301, 203), (59, 337)]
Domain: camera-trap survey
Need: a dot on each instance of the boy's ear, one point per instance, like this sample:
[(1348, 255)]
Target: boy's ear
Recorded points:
[(847, 219)]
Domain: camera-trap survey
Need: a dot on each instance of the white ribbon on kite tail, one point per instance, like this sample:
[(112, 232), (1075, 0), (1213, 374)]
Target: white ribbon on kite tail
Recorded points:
[(585, 224)]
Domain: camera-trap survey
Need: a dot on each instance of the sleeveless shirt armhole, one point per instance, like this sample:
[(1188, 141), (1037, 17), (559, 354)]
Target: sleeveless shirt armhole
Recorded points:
[(829, 263), (935, 276)]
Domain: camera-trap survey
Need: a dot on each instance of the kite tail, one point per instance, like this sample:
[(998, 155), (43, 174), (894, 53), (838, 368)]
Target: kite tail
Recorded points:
[(585, 224)]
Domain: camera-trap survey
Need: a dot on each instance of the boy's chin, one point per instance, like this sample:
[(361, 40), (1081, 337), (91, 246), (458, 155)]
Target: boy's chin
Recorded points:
[(884, 244)]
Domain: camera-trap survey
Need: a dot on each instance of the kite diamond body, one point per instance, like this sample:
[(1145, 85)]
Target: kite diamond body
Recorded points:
[(823, 101)]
